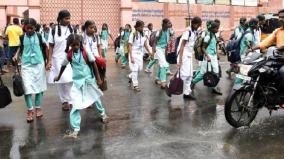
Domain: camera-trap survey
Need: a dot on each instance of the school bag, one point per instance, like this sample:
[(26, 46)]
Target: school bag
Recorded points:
[(5, 95), (210, 78), (41, 44), (197, 47), (100, 62), (175, 86), (117, 42), (233, 48), (18, 86), (171, 50), (153, 37)]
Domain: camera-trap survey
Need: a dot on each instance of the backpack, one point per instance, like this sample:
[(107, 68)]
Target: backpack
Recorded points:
[(153, 37), (233, 48), (41, 43), (198, 52), (100, 62), (117, 42)]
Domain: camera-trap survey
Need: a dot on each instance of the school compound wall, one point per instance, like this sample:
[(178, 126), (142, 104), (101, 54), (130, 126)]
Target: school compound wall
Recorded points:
[(120, 12), (229, 15)]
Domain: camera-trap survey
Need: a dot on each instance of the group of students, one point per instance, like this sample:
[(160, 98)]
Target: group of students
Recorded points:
[(157, 44), (248, 33), (70, 60)]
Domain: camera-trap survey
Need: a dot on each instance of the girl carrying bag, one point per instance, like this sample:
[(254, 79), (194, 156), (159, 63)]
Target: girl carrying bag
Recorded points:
[(210, 78), (5, 95), (18, 88)]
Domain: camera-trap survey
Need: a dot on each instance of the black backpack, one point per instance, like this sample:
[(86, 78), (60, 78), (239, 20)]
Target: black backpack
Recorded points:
[(233, 48), (198, 44)]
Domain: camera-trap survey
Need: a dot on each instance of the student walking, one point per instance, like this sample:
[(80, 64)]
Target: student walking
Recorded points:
[(57, 45), (137, 42), (85, 90), (33, 68)]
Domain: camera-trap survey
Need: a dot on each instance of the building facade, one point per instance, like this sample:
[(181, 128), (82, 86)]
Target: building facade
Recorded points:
[(117, 13)]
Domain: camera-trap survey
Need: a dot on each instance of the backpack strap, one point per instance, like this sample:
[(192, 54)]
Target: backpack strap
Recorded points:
[(69, 55), (84, 53), (53, 33), (22, 43)]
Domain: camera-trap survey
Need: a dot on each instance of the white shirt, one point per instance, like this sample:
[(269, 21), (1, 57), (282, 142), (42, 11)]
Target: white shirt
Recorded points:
[(189, 41), (138, 42), (59, 42), (90, 45)]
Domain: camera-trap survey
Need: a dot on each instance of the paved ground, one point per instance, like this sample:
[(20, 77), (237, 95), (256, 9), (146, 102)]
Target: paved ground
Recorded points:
[(142, 125)]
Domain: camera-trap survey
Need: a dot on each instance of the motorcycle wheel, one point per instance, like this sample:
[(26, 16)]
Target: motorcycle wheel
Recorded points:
[(237, 111)]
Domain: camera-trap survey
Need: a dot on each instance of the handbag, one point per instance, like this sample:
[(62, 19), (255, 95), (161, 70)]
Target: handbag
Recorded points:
[(18, 88), (176, 85), (210, 78), (5, 95)]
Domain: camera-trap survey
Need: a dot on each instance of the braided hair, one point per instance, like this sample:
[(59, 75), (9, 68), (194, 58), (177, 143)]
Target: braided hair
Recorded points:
[(61, 15), (87, 24), (71, 39)]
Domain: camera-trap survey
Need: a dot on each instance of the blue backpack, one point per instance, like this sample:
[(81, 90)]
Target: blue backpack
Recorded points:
[(233, 48)]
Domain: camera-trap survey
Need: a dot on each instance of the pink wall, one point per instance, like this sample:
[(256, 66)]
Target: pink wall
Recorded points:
[(229, 15)]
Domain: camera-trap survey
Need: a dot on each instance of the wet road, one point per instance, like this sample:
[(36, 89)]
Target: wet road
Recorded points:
[(142, 125)]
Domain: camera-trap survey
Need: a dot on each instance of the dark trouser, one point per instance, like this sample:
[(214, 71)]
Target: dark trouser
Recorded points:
[(12, 52)]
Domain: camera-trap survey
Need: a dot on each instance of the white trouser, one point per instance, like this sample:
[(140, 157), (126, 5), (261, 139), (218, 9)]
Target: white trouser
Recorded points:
[(186, 84), (134, 77), (136, 67), (64, 92)]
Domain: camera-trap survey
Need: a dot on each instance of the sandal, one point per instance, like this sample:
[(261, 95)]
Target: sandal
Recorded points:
[(38, 112), (70, 134), (163, 85), (158, 82), (137, 89), (29, 117), (65, 106)]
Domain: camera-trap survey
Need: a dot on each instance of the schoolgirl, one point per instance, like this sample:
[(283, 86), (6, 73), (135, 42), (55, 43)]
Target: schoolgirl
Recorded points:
[(124, 45), (209, 48), (104, 37), (33, 68), (137, 42), (91, 41), (57, 45), (185, 55), (159, 49), (85, 90)]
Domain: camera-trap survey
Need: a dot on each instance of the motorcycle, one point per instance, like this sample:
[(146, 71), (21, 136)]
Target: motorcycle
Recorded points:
[(261, 87)]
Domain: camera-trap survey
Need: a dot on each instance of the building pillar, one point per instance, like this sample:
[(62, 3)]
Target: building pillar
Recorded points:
[(3, 20), (125, 12)]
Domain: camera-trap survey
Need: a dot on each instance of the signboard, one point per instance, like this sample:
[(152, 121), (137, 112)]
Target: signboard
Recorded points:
[(251, 3), (223, 2), (238, 2), (185, 1), (204, 1), (167, 1)]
